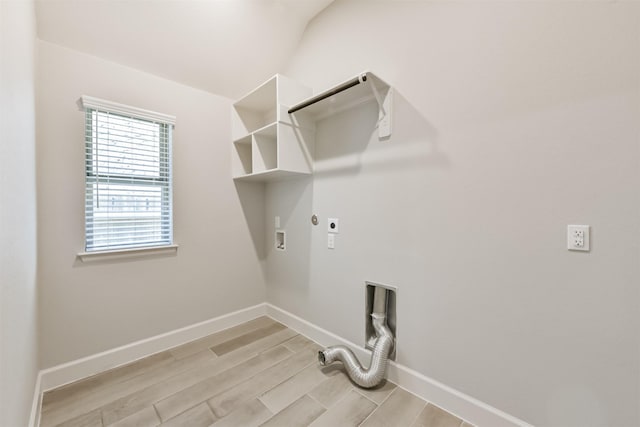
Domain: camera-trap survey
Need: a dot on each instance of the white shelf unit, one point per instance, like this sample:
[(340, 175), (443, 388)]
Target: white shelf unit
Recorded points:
[(267, 144)]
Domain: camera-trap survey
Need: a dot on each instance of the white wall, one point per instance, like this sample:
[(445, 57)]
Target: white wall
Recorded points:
[(18, 296), (513, 119), (88, 308), (209, 41)]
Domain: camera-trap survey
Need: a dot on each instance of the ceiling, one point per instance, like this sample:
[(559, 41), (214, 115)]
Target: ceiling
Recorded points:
[(222, 46)]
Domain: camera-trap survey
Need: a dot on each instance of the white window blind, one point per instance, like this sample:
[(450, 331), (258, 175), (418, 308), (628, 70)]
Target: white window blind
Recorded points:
[(128, 198)]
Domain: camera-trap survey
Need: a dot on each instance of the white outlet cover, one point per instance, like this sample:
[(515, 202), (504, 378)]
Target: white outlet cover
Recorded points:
[(333, 225), (578, 238)]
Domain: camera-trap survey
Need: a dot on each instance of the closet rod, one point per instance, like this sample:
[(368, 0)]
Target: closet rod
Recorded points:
[(344, 86)]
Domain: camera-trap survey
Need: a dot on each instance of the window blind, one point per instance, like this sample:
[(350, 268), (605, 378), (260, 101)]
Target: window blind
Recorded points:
[(128, 197)]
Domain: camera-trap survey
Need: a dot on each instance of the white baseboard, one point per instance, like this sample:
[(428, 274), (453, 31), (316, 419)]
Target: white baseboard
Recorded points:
[(466, 407), (75, 370), (36, 405), (91, 365)]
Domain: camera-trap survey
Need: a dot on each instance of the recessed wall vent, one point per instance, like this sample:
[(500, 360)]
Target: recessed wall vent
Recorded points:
[(390, 310)]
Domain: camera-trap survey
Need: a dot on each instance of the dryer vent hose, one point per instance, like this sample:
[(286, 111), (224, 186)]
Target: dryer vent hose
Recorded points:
[(364, 377)]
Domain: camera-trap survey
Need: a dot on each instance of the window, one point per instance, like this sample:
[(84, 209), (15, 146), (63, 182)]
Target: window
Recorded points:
[(128, 202)]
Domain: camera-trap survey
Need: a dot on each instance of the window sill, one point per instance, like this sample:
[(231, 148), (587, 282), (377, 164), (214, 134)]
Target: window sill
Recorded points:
[(127, 253)]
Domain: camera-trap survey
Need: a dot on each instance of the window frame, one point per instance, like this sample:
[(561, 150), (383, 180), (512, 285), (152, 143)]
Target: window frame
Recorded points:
[(164, 179)]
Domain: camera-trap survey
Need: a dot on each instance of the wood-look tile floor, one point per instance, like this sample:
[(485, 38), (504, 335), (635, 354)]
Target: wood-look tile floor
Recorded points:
[(259, 373)]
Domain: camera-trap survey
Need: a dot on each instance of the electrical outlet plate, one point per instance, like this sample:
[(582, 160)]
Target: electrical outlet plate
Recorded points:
[(333, 225), (578, 238)]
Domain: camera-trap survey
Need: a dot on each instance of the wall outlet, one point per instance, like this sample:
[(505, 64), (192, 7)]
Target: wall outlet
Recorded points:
[(578, 237)]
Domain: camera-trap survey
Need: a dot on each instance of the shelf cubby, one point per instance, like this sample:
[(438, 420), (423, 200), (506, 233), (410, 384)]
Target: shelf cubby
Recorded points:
[(242, 163), (256, 110), (265, 147), (268, 144)]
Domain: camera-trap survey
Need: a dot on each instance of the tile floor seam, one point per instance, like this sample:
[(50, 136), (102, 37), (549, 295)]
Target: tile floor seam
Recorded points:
[(387, 398), (314, 399), (258, 397), (151, 386), (123, 380), (226, 389), (197, 404), (182, 368), (293, 337), (377, 406), (357, 389), (176, 415), (337, 402), (258, 373), (262, 401), (219, 373), (157, 413), (289, 379), (160, 364), (413, 394), (206, 402), (418, 414), (281, 328), (226, 330), (368, 416)]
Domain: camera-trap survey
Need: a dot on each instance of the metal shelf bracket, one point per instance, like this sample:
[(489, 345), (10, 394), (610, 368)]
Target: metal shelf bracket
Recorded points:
[(385, 110)]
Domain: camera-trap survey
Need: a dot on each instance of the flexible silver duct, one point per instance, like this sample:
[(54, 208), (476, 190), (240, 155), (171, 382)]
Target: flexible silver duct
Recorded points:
[(364, 377)]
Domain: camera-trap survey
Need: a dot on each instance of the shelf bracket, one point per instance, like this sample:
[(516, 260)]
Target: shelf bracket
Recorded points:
[(385, 109)]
